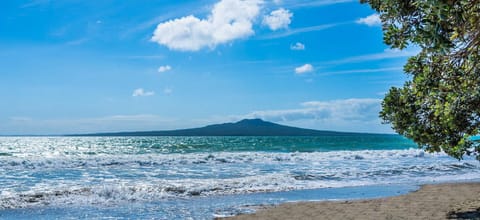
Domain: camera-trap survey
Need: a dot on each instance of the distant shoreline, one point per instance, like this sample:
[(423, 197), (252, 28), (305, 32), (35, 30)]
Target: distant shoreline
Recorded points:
[(434, 201)]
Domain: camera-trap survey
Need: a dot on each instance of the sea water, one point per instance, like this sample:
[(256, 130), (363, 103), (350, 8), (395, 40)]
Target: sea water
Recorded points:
[(205, 177)]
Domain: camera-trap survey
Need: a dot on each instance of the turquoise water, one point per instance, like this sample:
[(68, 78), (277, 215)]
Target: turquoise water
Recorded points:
[(203, 177)]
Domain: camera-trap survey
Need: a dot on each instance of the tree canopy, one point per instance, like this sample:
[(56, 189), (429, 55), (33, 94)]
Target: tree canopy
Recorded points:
[(439, 106)]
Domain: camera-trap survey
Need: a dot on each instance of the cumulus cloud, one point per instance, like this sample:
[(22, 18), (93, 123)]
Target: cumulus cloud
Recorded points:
[(229, 20), (347, 109), (142, 92), (343, 109), (278, 19), (304, 69), (343, 114), (297, 46), (165, 68), (371, 20)]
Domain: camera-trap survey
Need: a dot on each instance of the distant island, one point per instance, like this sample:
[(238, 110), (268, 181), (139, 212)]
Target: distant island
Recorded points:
[(246, 127)]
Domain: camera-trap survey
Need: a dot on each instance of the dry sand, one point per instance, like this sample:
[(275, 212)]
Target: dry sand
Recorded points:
[(443, 201)]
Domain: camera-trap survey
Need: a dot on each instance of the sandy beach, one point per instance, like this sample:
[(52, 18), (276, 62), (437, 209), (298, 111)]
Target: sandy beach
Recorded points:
[(442, 201)]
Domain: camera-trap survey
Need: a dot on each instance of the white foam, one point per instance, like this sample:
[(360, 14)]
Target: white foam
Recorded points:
[(63, 174)]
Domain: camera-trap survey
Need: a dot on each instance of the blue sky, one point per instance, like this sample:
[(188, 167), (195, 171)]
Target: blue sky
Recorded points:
[(74, 66)]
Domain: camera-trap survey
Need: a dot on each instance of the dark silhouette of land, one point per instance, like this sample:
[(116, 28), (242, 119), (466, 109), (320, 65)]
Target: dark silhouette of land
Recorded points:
[(246, 127)]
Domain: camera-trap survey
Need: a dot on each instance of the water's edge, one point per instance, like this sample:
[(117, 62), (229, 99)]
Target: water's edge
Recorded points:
[(207, 177), (217, 206), (342, 194)]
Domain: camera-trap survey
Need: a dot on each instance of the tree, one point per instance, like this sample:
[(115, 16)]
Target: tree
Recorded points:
[(439, 106)]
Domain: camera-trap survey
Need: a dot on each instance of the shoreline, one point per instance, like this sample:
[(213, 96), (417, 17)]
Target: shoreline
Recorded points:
[(431, 201)]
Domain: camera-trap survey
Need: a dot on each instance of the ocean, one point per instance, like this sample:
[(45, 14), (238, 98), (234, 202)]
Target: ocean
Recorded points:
[(207, 177)]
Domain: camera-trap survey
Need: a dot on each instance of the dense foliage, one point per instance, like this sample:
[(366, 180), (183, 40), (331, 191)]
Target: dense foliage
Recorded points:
[(439, 107)]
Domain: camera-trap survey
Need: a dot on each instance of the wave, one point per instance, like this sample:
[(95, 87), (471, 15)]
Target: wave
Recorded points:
[(38, 172), (113, 179), (151, 160), (114, 194)]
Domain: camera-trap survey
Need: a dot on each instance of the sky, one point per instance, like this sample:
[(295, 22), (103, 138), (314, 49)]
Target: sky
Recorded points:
[(75, 66)]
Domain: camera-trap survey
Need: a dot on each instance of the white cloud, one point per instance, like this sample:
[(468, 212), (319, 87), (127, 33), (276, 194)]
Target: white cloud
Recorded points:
[(345, 114), (278, 19), (35, 3), (290, 32), (386, 54), (304, 69), (388, 69), (165, 68), (168, 13), (371, 20), (347, 109), (142, 92), (297, 46), (229, 20), (343, 109)]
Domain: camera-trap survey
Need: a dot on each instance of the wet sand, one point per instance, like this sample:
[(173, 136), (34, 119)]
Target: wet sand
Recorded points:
[(442, 201)]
